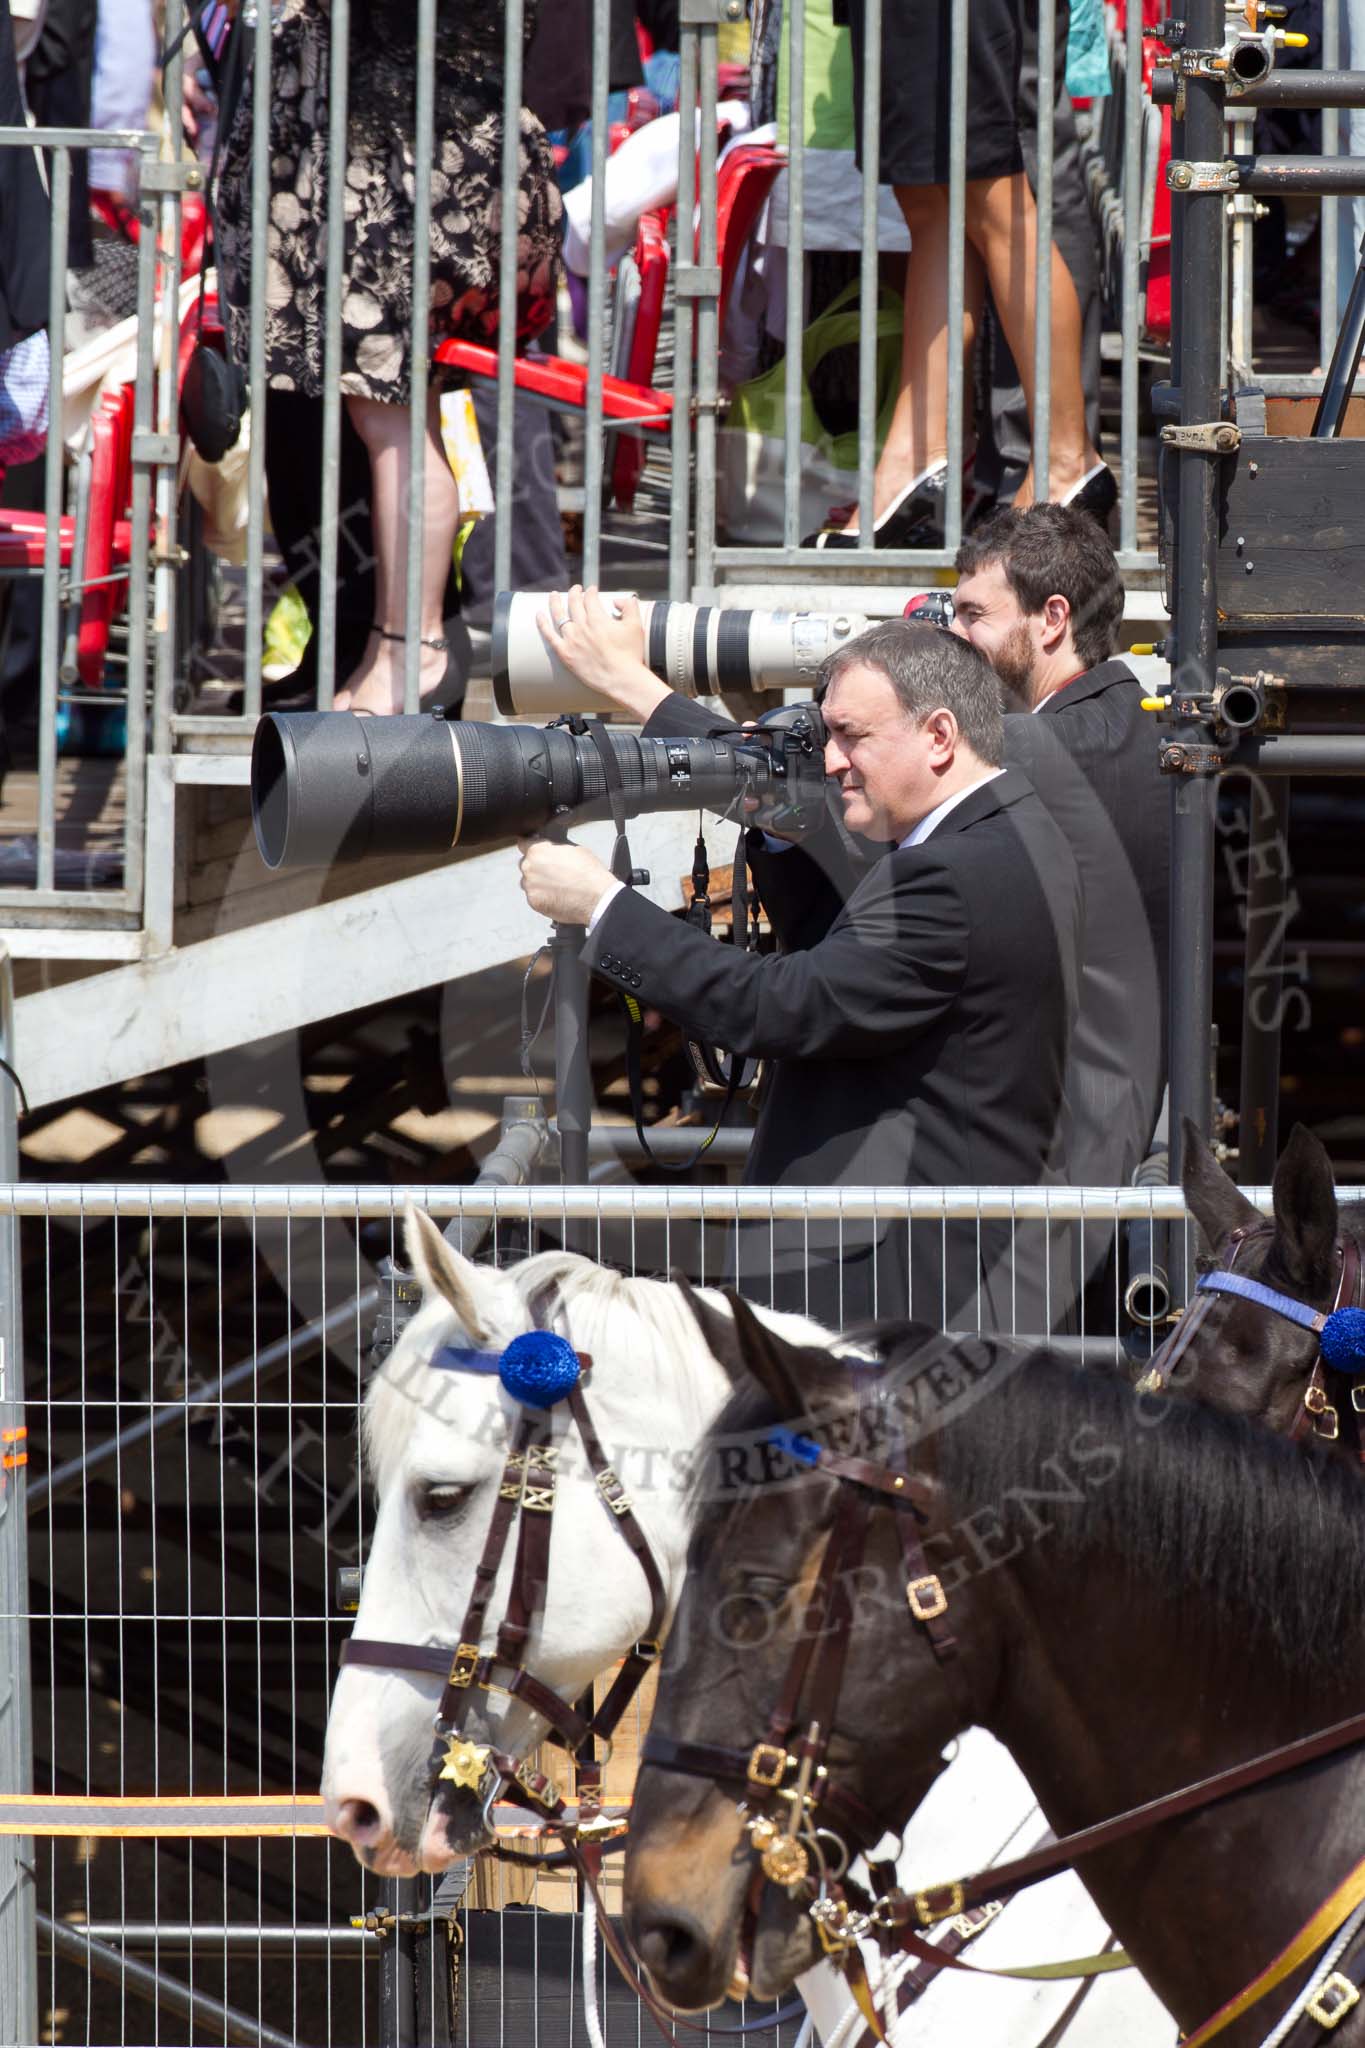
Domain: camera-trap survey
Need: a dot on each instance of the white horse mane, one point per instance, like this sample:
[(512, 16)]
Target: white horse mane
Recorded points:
[(613, 1316)]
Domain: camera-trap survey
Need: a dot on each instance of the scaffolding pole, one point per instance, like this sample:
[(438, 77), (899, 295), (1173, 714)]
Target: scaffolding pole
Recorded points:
[(18, 1927)]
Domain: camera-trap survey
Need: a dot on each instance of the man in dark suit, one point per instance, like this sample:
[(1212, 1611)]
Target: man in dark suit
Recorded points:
[(1039, 595), (917, 1029)]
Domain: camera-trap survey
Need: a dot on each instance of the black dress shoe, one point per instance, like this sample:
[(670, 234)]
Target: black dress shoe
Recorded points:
[(1096, 493), (914, 520)]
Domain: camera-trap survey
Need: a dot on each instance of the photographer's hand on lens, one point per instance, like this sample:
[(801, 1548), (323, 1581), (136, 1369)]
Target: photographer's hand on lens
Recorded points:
[(605, 652), (563, 881)]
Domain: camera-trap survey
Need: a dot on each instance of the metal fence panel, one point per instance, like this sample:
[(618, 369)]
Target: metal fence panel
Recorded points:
[(67, 512), (194, 1361)]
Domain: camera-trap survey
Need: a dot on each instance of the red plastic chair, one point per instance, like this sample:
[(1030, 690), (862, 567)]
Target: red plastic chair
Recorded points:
[(113, 209), (631, 404), (108, 535), (1156, 320)]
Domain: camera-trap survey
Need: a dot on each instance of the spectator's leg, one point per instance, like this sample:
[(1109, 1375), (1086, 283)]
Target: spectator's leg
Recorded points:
[(1002, 454), (917, 437), (538, 558), (293, 470), (1002, 222), (377, 684)]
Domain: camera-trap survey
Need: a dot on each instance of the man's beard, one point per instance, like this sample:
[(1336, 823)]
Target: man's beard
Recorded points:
[(1013, 662)]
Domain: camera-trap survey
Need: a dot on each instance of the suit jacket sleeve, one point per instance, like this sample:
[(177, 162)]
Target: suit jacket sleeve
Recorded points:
[(888, 969)]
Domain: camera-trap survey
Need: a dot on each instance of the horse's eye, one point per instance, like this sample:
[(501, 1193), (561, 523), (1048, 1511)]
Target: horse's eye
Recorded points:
[(440, 1503), (760, 1586)]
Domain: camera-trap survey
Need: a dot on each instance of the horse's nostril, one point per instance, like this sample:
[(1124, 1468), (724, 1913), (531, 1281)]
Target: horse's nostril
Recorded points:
[(358, 1821), (668, 1945)]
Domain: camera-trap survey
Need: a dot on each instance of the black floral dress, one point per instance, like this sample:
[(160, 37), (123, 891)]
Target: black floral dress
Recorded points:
[(466, 196)]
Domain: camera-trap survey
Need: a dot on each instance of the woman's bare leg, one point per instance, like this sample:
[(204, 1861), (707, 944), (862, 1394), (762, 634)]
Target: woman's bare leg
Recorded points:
[(1002, 221), (917, 437), (377, 684)]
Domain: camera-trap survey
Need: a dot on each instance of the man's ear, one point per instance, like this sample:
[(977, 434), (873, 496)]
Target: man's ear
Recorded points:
[(1056, 621), (444, 1272), (944, 727)]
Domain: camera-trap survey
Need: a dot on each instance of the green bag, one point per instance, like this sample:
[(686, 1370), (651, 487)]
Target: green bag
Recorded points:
[(750, 444)]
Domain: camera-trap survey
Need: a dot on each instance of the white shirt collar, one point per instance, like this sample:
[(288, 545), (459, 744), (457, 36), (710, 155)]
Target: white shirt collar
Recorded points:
[(935, 817)]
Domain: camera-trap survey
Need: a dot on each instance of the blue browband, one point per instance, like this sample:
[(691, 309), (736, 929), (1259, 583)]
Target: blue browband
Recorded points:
[(1340, 1331), (803, 1450), (538, 1368)]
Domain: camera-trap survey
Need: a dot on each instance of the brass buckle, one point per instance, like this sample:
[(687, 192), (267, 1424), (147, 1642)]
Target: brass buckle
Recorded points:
[(612, 1491), (510, 1489), (838, 1927), (536, 1785), (926, 1597), (464, 1664), (1358, 1398), (767, 1765), (931, 1912), (970, 1923), (541, 1460), (650, 1648), (1325, 1420), (1332, 2000)]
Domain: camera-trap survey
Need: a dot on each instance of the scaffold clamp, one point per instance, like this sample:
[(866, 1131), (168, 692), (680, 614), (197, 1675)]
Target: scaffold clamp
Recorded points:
[(1210, 437)]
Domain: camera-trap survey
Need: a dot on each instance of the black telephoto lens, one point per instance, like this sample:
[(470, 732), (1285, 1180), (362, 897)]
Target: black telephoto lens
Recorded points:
[(329, 786)]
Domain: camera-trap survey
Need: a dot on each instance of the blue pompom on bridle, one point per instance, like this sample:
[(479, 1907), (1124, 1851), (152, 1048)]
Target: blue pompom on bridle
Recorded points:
[(1342, 1340), (538, 1368)]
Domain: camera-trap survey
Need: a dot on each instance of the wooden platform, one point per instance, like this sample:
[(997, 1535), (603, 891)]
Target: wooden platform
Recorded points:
[(89, 812)]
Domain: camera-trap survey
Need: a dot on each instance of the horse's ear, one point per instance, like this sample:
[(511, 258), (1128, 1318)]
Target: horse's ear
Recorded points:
[(718, 1330), (780, 1368), (1216, 1205), (1305, 1207), (444, 1271)]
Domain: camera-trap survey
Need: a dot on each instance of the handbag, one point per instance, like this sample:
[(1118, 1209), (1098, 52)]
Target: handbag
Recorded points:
[(751, 463), (213, 393)]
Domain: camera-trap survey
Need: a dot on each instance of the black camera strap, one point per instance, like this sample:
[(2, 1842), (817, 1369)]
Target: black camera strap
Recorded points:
[(730, 1072), (624, 871)]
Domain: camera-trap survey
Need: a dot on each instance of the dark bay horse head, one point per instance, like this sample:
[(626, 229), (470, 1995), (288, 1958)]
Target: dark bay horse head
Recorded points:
[(1142, 1592), (1246, 1359), (761, 1530)]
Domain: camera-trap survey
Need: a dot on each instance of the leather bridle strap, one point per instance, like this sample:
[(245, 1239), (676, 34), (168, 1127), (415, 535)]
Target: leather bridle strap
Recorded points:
[(1004, 1879), (663, 2016), (460, 1668), (466, 1662), (637, 1662), (1161, 1368)]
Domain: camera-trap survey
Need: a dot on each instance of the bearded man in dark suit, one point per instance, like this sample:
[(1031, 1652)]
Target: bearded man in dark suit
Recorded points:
[(1039, 596), (917, 1016)]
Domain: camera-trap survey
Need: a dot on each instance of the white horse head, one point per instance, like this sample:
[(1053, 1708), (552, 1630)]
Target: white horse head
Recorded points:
[(435, 1442)]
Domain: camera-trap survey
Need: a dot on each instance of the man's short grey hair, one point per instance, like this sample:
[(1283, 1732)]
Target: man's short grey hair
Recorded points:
[(929, 670)]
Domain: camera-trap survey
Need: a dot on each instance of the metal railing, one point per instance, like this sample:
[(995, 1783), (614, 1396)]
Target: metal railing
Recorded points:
[(693, 553), (688, 549), (74, 382)]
